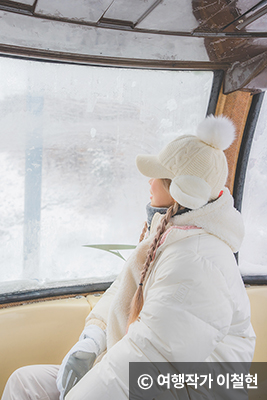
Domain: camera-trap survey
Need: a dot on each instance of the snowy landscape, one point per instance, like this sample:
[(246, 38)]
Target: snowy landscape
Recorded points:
[(253, 253), (88, 124)]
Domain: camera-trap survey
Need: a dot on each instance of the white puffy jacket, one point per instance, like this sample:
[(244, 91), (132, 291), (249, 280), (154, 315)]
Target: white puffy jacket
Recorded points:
[(195, 304)]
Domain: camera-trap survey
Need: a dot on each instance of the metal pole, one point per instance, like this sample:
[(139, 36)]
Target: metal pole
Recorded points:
[(33, 185)]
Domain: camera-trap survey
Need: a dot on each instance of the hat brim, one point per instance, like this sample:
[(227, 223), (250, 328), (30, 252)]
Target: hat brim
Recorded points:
[(150, 166)]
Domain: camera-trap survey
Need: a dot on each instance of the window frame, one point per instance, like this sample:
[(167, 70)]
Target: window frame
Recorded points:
[(241, 170)]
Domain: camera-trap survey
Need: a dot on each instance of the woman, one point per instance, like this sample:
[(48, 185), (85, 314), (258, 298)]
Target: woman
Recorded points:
[(180, 296)]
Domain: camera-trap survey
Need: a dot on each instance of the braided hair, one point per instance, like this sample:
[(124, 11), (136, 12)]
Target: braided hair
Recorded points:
[(138, 299)]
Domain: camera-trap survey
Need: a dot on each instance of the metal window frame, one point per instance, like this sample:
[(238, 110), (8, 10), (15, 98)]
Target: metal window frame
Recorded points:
[(245, 148), (215, 91), (39, 294)]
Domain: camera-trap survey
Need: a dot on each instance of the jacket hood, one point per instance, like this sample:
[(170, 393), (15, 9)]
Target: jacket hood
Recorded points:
[(218, 218)]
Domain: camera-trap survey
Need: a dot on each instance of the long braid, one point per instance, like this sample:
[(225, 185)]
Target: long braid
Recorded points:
[(138, 299)]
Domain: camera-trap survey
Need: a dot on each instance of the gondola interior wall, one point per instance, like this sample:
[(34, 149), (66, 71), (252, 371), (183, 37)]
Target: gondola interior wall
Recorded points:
[(83, 89)]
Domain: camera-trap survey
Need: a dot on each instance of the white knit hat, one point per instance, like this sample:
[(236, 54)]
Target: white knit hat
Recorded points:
[(196, 165)]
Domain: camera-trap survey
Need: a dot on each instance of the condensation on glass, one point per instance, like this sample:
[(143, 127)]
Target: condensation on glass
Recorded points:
[(253, 253), (69, 138)]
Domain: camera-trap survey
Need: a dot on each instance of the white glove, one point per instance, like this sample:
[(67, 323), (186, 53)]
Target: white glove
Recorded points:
[(80, 358)]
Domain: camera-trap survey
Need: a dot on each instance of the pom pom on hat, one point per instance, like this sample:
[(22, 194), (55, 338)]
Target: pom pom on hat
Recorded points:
[(218, 132)]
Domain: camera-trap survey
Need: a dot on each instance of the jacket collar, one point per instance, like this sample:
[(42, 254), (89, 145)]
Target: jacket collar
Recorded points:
[(218, 218)]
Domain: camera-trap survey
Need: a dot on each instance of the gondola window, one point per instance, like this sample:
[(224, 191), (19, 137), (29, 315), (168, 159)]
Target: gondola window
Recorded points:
[(253, 253), (69, 138)]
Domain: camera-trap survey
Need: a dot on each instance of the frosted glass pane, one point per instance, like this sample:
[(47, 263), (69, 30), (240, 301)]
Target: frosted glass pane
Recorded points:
[(11, 211), (253, 253), (70, 135)]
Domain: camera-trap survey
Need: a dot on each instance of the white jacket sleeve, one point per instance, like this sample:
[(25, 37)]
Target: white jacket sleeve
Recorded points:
[(99, 314), (187, 311)]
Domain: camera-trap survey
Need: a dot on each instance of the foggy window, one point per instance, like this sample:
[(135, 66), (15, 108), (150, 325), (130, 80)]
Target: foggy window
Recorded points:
[(69, 138), (253, 253)]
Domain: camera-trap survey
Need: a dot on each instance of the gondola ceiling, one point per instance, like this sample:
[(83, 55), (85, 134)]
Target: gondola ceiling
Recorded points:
[(197, 34)]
